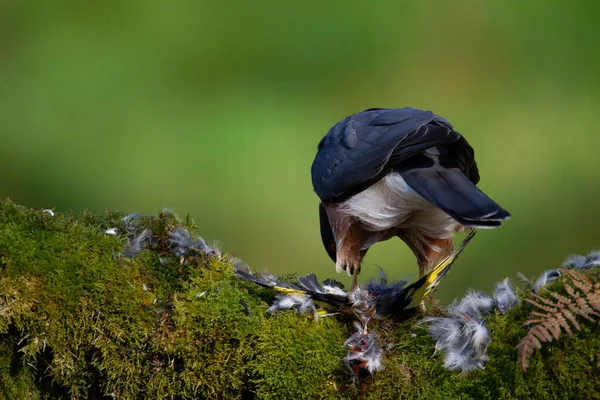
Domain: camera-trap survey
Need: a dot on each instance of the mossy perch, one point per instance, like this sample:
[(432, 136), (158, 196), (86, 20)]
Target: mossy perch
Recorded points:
[(79, 319)]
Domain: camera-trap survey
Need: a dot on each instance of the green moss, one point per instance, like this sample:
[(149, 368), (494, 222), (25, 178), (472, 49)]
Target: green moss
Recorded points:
[(80, 320), (85, 320), (298, 358), (567, 368)]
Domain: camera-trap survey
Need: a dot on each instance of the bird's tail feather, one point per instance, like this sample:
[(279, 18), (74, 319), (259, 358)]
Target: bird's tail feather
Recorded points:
[(422, 287), (451, 191)]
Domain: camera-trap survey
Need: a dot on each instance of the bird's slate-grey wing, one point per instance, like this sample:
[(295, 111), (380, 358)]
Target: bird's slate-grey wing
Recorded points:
[(362, 148)]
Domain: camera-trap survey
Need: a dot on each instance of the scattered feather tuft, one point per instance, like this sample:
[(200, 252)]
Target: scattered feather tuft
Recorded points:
[(284, 302), (131, 223), (364, 305), (445, 331), (574, 260), (582, 262), (463, 360), (505, 297), (464, 337), (182, 241), (137, 243), (479, 335), (48, 211), (475, 305), (592, 259), (215, 249), (523, 278), (111, 231), (361, 299), (547, 277), (168, 212), (463, 340), (240, 265), (364, 353)]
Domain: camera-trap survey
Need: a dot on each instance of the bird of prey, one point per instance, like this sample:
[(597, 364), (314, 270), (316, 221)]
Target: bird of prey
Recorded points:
[(405, 173)]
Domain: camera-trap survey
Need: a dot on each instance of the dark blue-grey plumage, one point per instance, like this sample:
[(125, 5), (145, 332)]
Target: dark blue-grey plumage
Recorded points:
[(450, 190), (405, 173), (362, 148), (327, 233)]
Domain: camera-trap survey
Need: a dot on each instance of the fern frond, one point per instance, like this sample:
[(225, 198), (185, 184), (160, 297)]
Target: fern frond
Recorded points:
[(569, 315), (580, 311), (561, 319), (541, 314), (544, 301), (581, 281), (562, 299), (572, 292), (551, 325), (559, 312), (586, 306), (546, 308)]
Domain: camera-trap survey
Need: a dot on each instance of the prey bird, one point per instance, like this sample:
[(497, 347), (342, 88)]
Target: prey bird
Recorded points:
[(377, 298), (405, 173), (380, 299)]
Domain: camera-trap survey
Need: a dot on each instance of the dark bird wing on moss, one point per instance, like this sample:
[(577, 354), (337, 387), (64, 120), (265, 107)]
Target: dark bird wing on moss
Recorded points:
[(391, 300)]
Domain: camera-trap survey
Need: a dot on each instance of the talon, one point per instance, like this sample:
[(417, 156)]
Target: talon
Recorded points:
[(350, 270), (339, 268)]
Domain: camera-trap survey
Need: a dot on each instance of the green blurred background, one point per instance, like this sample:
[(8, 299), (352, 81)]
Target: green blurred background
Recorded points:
[(215, 109)]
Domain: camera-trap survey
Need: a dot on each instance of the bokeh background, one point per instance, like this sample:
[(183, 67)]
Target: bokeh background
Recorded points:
[(215, 109)]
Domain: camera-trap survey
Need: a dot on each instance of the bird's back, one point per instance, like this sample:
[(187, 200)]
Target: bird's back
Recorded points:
[(362, 148)]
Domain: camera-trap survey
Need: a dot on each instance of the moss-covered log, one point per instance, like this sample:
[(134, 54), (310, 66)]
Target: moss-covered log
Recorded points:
[(80, 317)]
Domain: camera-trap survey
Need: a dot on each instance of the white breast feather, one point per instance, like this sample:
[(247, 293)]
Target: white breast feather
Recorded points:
[(391, 203)]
